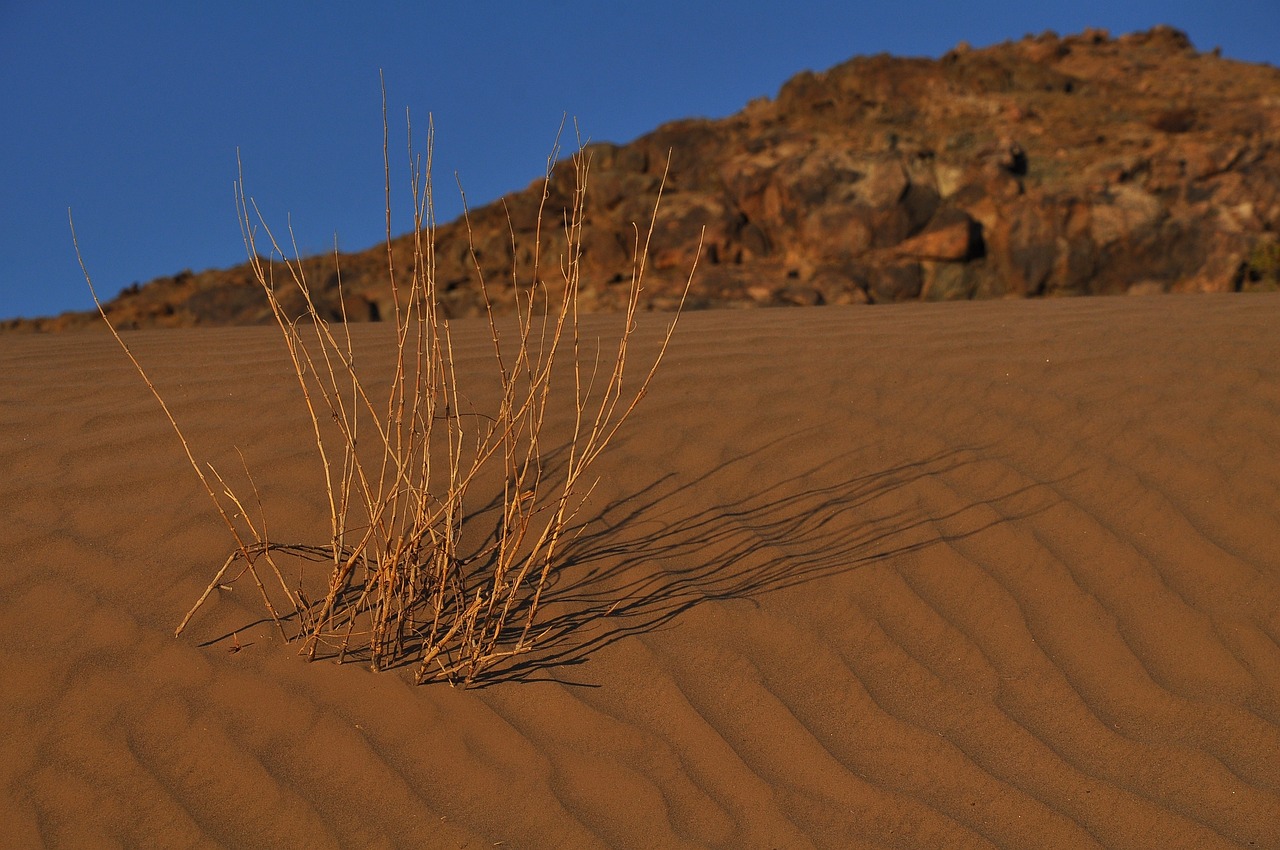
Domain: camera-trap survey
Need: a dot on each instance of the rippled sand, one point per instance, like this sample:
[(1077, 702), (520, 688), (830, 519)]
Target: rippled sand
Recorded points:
[(964, 575)]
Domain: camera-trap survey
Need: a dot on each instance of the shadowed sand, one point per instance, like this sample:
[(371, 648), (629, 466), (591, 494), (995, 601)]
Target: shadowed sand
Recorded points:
[(976, 575)]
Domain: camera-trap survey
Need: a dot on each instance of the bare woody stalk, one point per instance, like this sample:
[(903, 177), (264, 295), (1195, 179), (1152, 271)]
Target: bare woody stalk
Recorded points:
[(398, 467), (249, 546)]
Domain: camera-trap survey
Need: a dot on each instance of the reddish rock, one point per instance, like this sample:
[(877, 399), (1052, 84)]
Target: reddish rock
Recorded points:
[(952, 236), (901, 281)]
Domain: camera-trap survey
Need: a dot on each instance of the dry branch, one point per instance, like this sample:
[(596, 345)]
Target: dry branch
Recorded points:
[(398, 588)]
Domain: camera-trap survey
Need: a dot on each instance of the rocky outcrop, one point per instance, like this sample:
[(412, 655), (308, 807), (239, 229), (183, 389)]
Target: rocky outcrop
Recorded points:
[(1050, 166)]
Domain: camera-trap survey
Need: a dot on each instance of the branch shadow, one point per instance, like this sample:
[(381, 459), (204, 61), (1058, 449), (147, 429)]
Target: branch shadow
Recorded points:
[(647, 561)]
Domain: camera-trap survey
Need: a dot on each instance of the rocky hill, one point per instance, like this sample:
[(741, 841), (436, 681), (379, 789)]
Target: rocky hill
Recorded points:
[(1044, 167)]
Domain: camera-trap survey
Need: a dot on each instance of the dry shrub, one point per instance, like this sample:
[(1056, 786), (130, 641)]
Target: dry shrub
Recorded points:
[(398, 585)]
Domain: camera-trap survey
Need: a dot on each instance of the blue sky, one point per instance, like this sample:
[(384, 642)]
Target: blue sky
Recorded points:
[(132, 113)]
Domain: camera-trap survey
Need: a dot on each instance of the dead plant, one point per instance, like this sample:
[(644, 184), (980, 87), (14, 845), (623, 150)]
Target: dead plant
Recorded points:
[(398, 586)]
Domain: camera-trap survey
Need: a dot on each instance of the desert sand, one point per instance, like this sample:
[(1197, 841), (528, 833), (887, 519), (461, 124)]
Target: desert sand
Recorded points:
[(923, 576)]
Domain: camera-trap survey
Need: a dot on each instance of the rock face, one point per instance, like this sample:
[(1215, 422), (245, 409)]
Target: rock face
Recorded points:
[(1050, 166)]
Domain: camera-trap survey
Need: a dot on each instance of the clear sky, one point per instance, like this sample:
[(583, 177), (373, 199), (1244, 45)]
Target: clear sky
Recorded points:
[(131, 113)]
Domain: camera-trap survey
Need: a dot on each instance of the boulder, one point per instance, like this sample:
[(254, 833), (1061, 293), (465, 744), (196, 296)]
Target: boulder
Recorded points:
[(951, 236)]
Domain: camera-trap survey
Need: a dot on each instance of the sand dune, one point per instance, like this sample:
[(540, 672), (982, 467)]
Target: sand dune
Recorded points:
[(974, 575)]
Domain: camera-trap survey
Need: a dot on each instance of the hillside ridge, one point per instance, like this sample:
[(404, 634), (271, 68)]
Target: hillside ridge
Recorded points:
[(1048, 166)]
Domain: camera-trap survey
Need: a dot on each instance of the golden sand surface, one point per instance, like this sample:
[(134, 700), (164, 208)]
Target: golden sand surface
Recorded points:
[(998, 574)]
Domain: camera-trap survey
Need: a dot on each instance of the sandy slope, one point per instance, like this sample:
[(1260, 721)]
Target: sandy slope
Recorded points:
[(978, 575)]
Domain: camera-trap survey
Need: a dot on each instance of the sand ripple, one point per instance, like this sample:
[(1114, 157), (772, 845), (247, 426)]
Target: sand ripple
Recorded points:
[(997, 575)]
